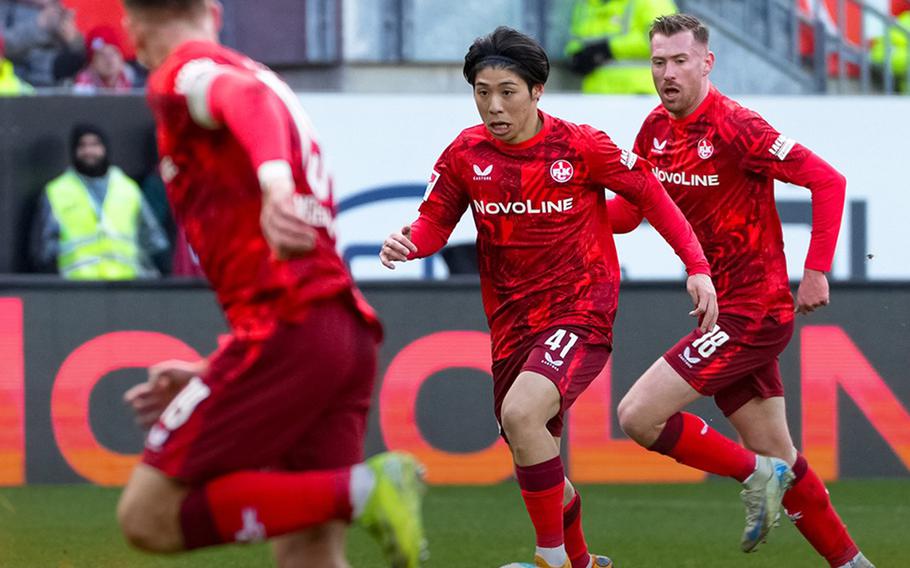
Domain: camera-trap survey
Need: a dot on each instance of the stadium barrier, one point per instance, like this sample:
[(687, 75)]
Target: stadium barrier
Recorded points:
[(381, 149), (68, 352)]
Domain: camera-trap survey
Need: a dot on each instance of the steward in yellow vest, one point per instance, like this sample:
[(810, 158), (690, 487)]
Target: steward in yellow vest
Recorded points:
[(10, 84), (93, 220), (898, 38), (610, 44)]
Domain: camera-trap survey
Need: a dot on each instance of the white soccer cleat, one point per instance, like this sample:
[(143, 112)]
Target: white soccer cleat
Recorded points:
[(762, 495), (859, 561)]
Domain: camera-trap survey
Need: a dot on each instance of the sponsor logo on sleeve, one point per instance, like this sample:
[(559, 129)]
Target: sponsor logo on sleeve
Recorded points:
[(434, 177), (782, 147), (483, 174), (628, 159), (561, 171)]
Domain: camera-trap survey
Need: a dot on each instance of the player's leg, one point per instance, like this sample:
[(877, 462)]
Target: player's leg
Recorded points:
[(574, 536), (762, 423), (149, 510), (557, 368), (218, 451), (702, 364), (527, 407), (650, 414), (322, 545)]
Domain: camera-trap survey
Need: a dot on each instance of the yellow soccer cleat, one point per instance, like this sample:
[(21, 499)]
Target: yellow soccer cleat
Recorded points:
[(392, 513)]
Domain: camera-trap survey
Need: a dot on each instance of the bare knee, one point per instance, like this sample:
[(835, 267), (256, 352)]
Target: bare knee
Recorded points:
[(149, 511), (322, 545), (635, 422), (519, 418)]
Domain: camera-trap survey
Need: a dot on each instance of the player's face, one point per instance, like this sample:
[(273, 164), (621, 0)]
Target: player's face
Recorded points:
[(506, 105), (137, 27), (680, 67)]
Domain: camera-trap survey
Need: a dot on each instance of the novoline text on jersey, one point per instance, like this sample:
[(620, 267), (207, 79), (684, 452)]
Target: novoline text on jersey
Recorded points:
[(687, 179), (526, 207)]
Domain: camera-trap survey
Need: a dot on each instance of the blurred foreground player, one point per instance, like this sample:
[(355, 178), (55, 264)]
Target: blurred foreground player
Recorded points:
[(265, 438), (718, 162), (548, 268)]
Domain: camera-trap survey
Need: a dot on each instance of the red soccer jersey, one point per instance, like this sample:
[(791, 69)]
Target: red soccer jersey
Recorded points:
[(719, 165), (545, 250), (220, 117)]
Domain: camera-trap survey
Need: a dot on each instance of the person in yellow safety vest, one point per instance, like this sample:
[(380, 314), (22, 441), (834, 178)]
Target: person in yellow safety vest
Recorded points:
[(93, 223), (898, 52), (10, 84), (610, 46)]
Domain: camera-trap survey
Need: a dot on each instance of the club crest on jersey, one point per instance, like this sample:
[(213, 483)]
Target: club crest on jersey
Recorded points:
[(659, 146), (561, 171), (705, 149), (483, 174)]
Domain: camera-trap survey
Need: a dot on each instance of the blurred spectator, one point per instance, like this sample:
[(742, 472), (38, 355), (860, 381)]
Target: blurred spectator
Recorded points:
[(610, 46), (92, 222), (10, 84), (898, 38), (105, 68), (38, 33)]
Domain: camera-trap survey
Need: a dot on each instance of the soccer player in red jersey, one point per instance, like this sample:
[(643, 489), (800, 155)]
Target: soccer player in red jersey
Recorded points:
[(718, 161), (265, 437), (548, 267)]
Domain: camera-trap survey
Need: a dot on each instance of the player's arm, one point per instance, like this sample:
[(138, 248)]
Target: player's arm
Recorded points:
[(771, 153), (630, 177), (444, 202), (224, 97), (624, 216)]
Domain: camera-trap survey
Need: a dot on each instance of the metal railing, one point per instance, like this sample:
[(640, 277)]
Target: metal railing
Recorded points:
[(773, 30)]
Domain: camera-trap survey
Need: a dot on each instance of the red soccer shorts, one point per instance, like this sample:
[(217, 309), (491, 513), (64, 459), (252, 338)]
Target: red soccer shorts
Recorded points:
[(296, 400), (735, 362), (564, 355)]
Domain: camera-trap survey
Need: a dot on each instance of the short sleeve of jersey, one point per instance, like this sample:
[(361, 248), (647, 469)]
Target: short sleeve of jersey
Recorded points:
[(765, 150), (622, 171), (445, 199)]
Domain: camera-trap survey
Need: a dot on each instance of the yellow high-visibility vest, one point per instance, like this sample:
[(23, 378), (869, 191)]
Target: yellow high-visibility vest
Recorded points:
[(10, 84), (625, 23), (97, 245)]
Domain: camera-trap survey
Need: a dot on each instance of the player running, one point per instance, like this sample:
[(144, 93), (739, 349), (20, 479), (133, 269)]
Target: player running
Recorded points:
[(548, 268), (718, 161), (264, 438)]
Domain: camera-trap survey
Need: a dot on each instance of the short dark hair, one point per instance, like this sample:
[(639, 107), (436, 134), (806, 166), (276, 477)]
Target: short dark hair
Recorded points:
[(177, 6), (678, 23), (510, 49)]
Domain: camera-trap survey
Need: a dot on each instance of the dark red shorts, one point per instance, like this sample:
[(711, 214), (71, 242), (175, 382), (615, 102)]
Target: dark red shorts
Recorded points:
[(562, 354), (735, 362), (295, 400)]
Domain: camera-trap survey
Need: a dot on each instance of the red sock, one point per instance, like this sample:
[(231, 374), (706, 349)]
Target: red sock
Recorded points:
[(255, 505), (809, 506), (542, 487), (689, 440), (576, 547)]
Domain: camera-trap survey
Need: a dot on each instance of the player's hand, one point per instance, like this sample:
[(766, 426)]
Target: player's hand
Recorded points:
[(149, 399), (813, 292), (704, 298), (396, 248), (286, 232)]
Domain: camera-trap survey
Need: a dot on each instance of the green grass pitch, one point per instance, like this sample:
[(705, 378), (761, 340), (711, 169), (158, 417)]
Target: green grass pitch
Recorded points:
[(641, 526)]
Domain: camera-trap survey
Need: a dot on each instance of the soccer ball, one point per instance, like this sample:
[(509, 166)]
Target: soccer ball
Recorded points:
[(518, 565)]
